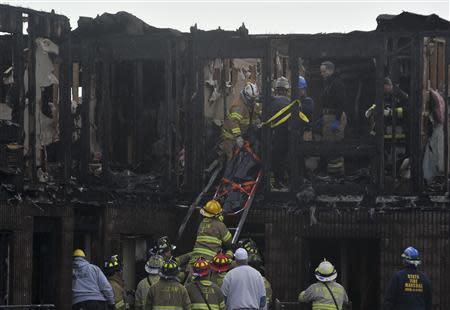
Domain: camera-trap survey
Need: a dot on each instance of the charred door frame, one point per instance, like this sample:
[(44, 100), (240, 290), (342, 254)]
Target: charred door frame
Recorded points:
[(56, 28), (359, 45), (137, 49), (213, 45)]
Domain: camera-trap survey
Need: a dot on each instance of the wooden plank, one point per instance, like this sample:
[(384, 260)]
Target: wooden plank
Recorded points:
[(294, 133), (446, 97), (32, 97), (433, 50), (266, 131), (104, 109), (85, 137), (169, 110), (65, 119), (75, 81), (226, 47)]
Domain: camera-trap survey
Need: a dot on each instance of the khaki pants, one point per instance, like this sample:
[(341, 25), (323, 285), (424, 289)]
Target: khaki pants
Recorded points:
[(335, 164)]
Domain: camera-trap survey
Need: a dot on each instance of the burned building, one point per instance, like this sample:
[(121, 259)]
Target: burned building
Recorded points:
[(121, 134)]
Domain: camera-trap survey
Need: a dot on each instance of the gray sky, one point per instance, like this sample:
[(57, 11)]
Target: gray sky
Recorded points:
[(288, 16)]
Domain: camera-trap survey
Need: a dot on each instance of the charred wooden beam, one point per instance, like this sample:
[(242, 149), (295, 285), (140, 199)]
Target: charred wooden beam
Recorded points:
[(87, 83), (31, 69), (294, 124), (266, 131), (65, 117), (137, 113)]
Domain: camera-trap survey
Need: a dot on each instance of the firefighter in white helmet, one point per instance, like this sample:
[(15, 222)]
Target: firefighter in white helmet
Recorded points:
[(242, 111), (325, 294)]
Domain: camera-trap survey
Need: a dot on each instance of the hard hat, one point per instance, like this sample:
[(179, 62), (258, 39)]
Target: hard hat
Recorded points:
[(250, 92), (211, 209), (164, 244), (302, 82), (325, 272), (282, 82), (113, 264), (220, 262), (169, 269), (411, 256), (154, 264), (249, 245), (201, 268), (79, 253)]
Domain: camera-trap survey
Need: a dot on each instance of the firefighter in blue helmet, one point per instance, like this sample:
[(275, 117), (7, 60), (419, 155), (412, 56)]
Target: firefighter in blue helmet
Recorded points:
[(409, 288)]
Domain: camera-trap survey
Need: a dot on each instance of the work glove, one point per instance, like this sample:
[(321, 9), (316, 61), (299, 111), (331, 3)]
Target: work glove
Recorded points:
[(387, 111), (239, 142), (335, 125)]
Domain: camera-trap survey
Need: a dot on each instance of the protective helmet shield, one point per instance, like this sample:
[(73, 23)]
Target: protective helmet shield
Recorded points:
[(200, 268), (154, 264), (250, 92), (282, 82), (79, 253), (170, 269), (325, 272), (220, 262), (302, 82), (164, 244), (411, 256), (211, 209)]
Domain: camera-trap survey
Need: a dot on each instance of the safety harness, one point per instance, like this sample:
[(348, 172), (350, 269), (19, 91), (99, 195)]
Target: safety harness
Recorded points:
[(284, 114)]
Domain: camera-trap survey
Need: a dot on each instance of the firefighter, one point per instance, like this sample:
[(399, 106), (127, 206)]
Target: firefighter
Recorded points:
[(212, 235), (280, 138), (325, 294), (242, 111), (255, 261), (113, 272), (220, 264), (168, 293), (165, 248), (333, 116), (152, 267), (409, 289), (204, 294), (395, 107)]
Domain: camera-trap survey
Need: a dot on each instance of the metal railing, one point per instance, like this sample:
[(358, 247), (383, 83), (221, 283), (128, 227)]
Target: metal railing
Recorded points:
[(295, 305)]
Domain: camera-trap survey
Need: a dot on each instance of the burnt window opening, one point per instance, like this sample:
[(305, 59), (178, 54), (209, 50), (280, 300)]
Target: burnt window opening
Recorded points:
[(46, 255), (5, 267), (357, 263)]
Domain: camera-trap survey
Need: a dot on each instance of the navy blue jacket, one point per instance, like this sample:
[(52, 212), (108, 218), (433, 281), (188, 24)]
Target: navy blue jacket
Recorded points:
[(409, 289)]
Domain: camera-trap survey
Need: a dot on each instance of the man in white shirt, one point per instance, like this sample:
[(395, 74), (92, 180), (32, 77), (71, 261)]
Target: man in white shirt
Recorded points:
[(243, 286)]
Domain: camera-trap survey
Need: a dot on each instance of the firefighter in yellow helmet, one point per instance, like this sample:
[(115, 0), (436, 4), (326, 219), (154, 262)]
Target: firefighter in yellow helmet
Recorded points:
[(168, 293), (212, 235), (152, 267), (325, 294), (242, 111), (220, 265), (255, 261), (204, 293), (113, 272)]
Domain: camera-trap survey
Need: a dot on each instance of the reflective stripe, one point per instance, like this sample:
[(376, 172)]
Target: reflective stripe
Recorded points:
[(209, 239), (203, 306), (229, 253), (206, 282), (235, 116), (227, 237), (399, 112), (236, 131), (167, 308), (120, 305), (317, 306), (204, 251), (228, 135)]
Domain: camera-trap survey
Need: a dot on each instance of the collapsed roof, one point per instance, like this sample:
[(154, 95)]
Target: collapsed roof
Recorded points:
[(407, 21), (119, 23)]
